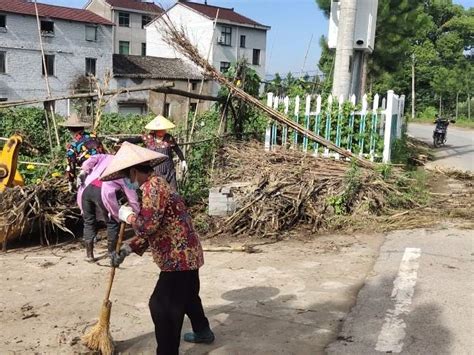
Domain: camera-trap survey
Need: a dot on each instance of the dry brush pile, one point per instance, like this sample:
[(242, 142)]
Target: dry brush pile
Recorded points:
[(284, 189), (44, 207)]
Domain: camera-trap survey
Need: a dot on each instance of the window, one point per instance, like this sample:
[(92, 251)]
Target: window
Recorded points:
[(132, 108), (124, 19), (91, 33), (3, 22), (143, 49), (3, 62), (167, 110), (3, 99), (194, 85), (49, 61), (90, 66), (256, 57), (145, 20), (124, 47), (225, 66), (193, 107), (47, 28), (226, 36), (242, 41)]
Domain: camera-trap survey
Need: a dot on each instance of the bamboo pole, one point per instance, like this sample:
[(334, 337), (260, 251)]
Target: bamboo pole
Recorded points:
[(193, 124), (46, 78), (156, 87)]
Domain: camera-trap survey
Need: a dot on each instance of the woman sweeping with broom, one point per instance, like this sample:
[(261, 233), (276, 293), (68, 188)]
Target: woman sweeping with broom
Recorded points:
[(164, 226)]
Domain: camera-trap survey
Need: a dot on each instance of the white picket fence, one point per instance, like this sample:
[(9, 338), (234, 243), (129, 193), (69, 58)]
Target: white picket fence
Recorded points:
[(381, 121)]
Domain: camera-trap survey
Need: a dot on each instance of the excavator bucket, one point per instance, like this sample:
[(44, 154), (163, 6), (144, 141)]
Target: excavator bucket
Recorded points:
[(9, 176)]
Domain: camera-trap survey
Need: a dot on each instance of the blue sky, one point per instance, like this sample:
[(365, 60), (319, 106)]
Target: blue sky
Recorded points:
[(293, 23)]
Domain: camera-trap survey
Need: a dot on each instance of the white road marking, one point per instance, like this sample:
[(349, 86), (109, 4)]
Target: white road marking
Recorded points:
[(393, 330)]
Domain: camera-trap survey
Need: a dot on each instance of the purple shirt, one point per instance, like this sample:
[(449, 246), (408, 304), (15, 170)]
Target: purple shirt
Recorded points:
[(93, 167)]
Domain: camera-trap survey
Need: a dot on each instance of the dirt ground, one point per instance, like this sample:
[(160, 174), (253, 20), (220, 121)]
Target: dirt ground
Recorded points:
[(289, 298)]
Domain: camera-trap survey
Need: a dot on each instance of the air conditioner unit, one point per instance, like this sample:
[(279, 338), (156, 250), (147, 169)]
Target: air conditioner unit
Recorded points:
[(221, 40)]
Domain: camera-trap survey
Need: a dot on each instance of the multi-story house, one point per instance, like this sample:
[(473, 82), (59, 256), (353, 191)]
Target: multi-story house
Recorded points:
[(235, 36), (77, 43), (130, 18)]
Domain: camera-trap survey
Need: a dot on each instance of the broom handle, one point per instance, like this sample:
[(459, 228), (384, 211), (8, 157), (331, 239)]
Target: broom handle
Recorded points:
[(112, 272)]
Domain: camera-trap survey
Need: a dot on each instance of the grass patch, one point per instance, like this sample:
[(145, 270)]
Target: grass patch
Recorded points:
[(461, 122), (413, 188)]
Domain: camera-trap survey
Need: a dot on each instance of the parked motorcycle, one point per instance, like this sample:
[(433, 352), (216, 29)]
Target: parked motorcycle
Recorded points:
[(441, 131)]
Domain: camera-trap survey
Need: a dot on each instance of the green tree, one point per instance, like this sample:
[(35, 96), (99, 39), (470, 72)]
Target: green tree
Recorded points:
[(439, 33)]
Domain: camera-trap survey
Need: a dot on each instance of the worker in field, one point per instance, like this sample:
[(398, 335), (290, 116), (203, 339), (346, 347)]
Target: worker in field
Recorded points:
[(159, 140), (83, 145), (164, 226), (99, 202)]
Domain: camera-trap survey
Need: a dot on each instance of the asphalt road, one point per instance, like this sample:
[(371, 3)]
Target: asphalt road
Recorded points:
[(458, 153), (419, 299)]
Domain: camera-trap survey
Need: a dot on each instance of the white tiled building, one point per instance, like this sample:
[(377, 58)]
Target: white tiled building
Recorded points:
[(76, 42), (130, 18), (235, 36)]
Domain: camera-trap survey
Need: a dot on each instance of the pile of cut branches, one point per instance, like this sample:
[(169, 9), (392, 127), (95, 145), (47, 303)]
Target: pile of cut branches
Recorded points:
[(286, 188), (46, 206)]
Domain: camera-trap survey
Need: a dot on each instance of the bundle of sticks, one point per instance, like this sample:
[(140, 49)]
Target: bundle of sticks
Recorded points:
[(290, 187), (47, 206)]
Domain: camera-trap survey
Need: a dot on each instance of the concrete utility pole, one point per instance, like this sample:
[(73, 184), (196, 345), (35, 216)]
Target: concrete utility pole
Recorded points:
[(344, 49)]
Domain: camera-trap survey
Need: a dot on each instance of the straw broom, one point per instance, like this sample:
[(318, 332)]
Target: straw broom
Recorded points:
[(99, 337)]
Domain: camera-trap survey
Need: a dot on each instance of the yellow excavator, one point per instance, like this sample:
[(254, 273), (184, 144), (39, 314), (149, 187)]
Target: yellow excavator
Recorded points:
[(9, 177)]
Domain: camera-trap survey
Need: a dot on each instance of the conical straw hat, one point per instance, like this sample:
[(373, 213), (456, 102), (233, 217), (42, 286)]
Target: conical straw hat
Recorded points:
[(130, 155), (74, 121), (160, 123)]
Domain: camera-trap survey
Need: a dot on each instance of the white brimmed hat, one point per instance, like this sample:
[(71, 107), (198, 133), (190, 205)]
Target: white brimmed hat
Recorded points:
[(130, 155), (74, 121), (160, 123)]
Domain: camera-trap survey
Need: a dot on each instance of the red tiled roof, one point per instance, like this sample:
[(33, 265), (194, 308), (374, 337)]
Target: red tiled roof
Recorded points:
[(58, 12), (136, 5), (224, 13)]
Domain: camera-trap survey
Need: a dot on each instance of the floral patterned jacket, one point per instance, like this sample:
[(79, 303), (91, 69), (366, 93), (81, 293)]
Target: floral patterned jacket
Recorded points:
[(165, 226)]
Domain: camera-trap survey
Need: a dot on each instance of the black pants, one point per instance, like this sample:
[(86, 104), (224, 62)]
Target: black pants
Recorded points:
[(93, 210), (176, 294)]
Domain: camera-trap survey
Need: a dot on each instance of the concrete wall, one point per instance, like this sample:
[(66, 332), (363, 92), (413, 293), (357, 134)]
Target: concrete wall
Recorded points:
[(99, 7), (134, 34), (255, 39), (197, 27), (155, 101), (199, 30), (24, 79)]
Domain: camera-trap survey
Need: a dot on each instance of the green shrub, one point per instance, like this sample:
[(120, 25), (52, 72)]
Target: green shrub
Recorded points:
[(428, 114)]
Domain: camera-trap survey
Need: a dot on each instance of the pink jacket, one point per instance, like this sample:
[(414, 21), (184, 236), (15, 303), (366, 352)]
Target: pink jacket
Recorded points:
[(93, 167)]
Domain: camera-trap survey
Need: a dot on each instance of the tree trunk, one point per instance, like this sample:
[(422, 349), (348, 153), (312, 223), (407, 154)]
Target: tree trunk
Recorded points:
[(413, 87), (457, 101), (469, 106), (440, 104)]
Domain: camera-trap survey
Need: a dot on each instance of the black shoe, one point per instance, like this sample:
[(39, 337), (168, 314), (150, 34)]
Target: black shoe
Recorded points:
[(203, 337)]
